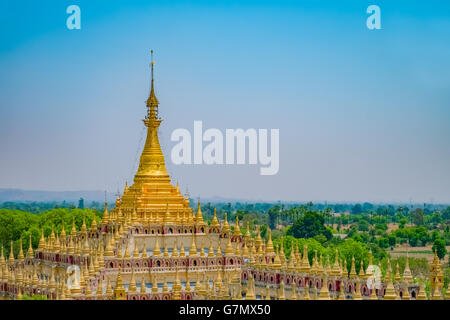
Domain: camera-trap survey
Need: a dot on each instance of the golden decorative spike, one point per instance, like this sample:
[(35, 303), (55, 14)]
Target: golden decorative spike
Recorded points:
[(126, 255), (218, 279), (247, 233), (187, 287), (19, 294), (109, 249), (390, 291), (218, 251), (341, 291), (245, 250), (281, 295), (182, 253), (154, 285), (21, 257), (197, 287), (119, 290), (132, 287), (345, 269), (11, 254), (214, 221), (237, 249), (237, 230), (151, 164), (292, 260), (105, 219), (357, 295), (293, 293), (324, 293), (136, 250), (199, 217), (225, 226), (407, 275), (165, 288), (406, 295), (83, 226), (144, 251), (210, 250), (166, 218), (99, 288), (193, 248), (373, 294), (250, 295), (73, 232), (361, 274), (305, 261), (269, 247), (109, 291), (143, 288), (166, 252), (422, 293), (156, 250), (277, 262), (229, 248), (336, 270), (41, 245), (176, 287), (398, 278), (91, 267), (2, 258), (353, 270)]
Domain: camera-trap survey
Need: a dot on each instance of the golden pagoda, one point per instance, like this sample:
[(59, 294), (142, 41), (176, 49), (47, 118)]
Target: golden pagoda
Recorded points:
[(152, 233)]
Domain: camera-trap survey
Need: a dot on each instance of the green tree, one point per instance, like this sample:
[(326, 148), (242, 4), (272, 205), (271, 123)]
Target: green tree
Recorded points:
[(439, 247), (363, 225), (392, 240), (418, 217), (310, 225), (356, 209), (273, 212)]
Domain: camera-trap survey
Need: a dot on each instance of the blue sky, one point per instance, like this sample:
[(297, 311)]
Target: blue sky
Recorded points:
[(363, 114)]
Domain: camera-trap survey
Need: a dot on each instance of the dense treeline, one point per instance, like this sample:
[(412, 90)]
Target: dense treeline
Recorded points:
[(17, 224)]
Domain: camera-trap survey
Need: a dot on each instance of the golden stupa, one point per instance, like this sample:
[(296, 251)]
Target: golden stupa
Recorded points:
[(152, 246)]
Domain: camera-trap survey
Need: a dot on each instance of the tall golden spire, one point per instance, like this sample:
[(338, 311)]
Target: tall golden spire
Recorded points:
[(152, 161), (152, 101)]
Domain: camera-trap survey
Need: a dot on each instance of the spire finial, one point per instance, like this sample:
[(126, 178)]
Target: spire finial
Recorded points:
[(152, 62), (152, 102)]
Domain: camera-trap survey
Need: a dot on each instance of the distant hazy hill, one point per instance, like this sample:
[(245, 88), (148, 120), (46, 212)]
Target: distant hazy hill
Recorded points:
[(43, 196), (20, 195)]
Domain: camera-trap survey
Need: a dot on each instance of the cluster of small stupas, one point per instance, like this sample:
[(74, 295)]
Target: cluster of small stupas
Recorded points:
[(153, 246)]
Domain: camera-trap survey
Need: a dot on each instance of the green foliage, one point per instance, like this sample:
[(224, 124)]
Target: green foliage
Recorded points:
[(13, 224), (16, 225), (439, 246), (418, 217), (446, 271), (357, 209), (310, 225), (446, 214), (416, 236), (263, 230), (419, 266), (273, 213), (392, 240)]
